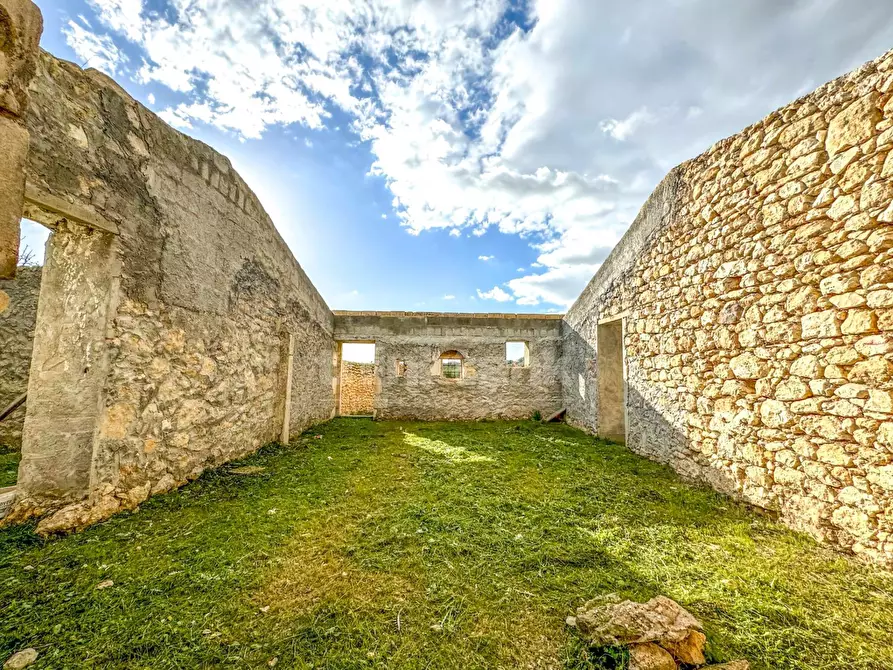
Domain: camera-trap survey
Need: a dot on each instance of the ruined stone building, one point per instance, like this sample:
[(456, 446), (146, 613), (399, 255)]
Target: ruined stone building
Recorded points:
[(741, 331)]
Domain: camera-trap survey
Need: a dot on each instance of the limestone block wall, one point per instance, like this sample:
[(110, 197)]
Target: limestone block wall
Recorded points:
[(357, 394), (757, 290), (408, 347), (16, 340), (165, 313)]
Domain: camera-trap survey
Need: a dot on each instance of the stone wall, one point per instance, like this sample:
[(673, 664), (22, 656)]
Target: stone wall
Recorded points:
[(16, 339), (21, 25), (357, 395), (165, 312), (757, 291), (408, 347)]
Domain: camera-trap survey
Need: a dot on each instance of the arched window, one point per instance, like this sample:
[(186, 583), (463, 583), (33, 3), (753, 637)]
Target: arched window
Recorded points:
[(451, 365)]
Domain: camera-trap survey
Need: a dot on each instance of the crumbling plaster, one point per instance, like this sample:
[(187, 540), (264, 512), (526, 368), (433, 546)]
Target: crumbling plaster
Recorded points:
[(166, 339)]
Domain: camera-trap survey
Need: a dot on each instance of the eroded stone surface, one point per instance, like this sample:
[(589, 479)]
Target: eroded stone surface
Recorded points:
[(649, 656), (660, 620), (174, 358), (21, 659), (756, 284), (21, 25), (16, 341), (357, 394)]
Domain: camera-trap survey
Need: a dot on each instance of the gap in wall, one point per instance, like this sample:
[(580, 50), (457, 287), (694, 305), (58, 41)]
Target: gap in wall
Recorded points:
[(17, 323), (357, 387)]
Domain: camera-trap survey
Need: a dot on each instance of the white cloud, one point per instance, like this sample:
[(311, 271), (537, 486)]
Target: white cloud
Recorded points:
[(96, 51), (495, 293), (449, 297), (559, 285), (151, 99), (556, 132), (486, 258), (623, 129)]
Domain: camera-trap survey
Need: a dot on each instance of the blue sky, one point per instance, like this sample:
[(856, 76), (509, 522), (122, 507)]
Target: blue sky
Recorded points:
[(461, 155)]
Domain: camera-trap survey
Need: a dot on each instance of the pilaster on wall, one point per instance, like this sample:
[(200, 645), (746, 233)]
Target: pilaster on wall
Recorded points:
[(21, 25)]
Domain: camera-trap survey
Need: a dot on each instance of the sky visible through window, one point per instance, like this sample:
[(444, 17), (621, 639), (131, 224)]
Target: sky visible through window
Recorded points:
[(515, 351), (358, 352)]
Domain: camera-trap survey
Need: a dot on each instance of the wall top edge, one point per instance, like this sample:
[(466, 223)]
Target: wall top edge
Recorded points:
[(464, 315)]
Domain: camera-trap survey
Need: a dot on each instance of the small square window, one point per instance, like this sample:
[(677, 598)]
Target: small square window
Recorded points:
[(451, 368), (517, 354)]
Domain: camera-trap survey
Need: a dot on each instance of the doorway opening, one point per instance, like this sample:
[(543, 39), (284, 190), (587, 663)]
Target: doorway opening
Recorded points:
[(611, 373), (357, 377), (17, 322)]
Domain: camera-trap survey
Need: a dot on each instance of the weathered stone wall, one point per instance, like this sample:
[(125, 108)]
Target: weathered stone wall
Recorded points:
[(490, 388), (167, 302), (16, 340), (21, 25), (357, 388), (757, 285)]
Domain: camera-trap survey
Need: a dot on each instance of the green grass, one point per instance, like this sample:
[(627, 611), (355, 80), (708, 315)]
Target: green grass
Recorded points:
[(412, 545), (9, 465)]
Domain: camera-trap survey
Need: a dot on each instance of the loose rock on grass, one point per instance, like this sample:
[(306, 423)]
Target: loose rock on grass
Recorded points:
[(21, 659), (660, 634)]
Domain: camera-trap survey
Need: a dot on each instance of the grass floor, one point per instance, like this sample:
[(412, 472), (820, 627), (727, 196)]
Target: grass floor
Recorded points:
[(9, 465), (411, 545)]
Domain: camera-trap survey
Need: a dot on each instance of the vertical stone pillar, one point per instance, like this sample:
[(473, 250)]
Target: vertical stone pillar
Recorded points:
[(21, 25)]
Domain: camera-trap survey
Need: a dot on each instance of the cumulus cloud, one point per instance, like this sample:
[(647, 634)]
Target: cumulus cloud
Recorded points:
[(622, 129), (495, 293), (96, 51), (449, 297), (547, 119), (486, 258)]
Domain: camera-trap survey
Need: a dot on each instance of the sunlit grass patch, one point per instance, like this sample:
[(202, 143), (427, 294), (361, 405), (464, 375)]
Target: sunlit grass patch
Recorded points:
[(450, 452)]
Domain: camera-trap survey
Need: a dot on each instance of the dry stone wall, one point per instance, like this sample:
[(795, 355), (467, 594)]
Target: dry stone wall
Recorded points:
[(357, 396), (757, 287), (172, 294), (16, 340), (408, 347)]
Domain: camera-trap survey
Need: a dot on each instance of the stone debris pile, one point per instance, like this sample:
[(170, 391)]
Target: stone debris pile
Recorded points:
[(660, 634)]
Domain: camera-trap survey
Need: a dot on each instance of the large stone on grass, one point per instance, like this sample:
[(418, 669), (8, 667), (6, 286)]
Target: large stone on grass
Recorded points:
[(608, 622), (21, 659), (649, 656)]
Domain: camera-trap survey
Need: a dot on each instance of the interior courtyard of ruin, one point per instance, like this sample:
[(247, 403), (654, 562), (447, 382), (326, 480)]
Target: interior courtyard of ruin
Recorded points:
[(194, 471)]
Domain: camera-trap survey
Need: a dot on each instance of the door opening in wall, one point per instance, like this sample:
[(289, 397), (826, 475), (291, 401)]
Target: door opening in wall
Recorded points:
[(17, 321), (611, 373), (356, 396)]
